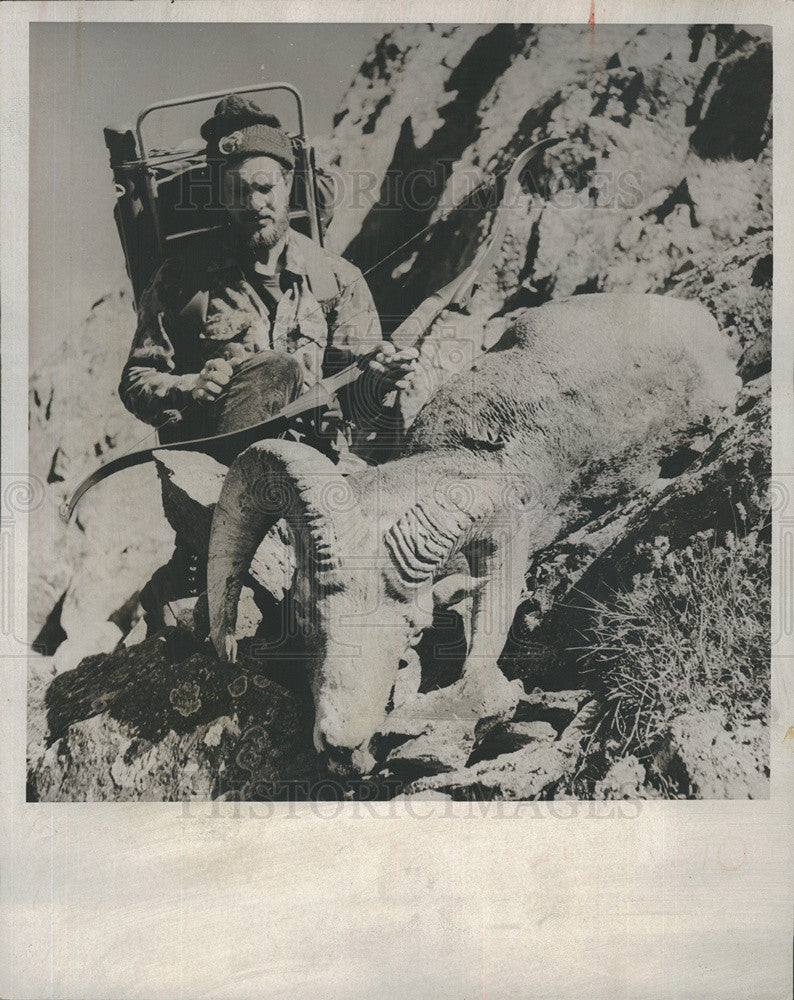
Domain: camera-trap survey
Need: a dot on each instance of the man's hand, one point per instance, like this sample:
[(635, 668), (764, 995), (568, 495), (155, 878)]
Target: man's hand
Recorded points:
[(392, 367), (212, 380)]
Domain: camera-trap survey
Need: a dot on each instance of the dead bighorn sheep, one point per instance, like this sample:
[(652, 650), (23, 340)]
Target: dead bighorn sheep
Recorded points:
[(574, 387)]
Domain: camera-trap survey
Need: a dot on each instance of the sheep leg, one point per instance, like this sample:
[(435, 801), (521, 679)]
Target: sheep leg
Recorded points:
[(483, 691), (503, 559)]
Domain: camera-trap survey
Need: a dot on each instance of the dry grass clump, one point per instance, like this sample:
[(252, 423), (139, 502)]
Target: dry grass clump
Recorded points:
[(693, 632)]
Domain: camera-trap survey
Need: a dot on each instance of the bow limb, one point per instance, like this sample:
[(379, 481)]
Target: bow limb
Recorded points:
[(409, 331), (242, 438), (315, 398)]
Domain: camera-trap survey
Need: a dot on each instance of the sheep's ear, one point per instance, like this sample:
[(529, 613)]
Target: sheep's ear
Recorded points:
[(454, 588)]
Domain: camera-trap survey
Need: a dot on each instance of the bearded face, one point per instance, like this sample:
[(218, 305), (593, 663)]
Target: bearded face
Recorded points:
[(256, 192)]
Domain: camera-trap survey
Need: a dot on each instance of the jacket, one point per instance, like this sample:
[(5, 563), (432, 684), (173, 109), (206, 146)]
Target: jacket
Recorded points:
[(187, 316)]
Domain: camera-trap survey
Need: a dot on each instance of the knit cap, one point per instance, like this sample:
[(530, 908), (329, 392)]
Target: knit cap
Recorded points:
[(240, 128)]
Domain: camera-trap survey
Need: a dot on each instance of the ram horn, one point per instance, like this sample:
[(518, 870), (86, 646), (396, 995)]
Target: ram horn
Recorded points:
[(426, 536), (271, 480)]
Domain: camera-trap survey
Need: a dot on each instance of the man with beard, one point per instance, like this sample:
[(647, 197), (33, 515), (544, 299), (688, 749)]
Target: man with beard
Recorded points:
[(222, 344)]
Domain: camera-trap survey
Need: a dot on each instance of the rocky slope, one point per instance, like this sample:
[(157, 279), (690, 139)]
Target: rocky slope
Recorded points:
[(662, 183), (81, 574)]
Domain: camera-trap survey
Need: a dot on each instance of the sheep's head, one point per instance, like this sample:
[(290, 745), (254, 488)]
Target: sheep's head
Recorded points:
[(357, 613)]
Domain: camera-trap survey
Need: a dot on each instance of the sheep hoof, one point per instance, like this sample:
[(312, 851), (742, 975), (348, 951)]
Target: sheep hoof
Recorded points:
[(226, 646)]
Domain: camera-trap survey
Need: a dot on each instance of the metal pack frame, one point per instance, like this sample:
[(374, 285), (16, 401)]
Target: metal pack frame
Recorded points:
[(141, 173)]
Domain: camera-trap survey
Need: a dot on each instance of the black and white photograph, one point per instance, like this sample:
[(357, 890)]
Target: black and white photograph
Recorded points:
[(397, 500), (400, 417)]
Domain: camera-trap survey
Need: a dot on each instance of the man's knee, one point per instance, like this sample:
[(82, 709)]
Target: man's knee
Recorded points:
[(272, 372), (270, 362), (261, 386), (285, 368)]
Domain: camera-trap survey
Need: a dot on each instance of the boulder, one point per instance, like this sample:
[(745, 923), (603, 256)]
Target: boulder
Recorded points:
[(556, 709), (442, 746), (80, 574), (191, 484), (164, 720), (507, 737), (706, 758), (523, 774), (625, 779)]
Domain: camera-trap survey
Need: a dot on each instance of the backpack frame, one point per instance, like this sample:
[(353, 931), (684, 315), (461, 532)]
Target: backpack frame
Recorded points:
[(168, 204)]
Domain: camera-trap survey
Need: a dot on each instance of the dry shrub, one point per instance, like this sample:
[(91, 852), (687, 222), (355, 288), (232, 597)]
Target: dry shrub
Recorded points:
[(693, 632)]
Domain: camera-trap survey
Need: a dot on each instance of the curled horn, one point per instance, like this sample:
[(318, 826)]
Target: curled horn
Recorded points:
[(425, 537), (269, 481)]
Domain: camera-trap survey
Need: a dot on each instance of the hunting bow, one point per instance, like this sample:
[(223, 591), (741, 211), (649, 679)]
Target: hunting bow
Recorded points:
[(321, 394)]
